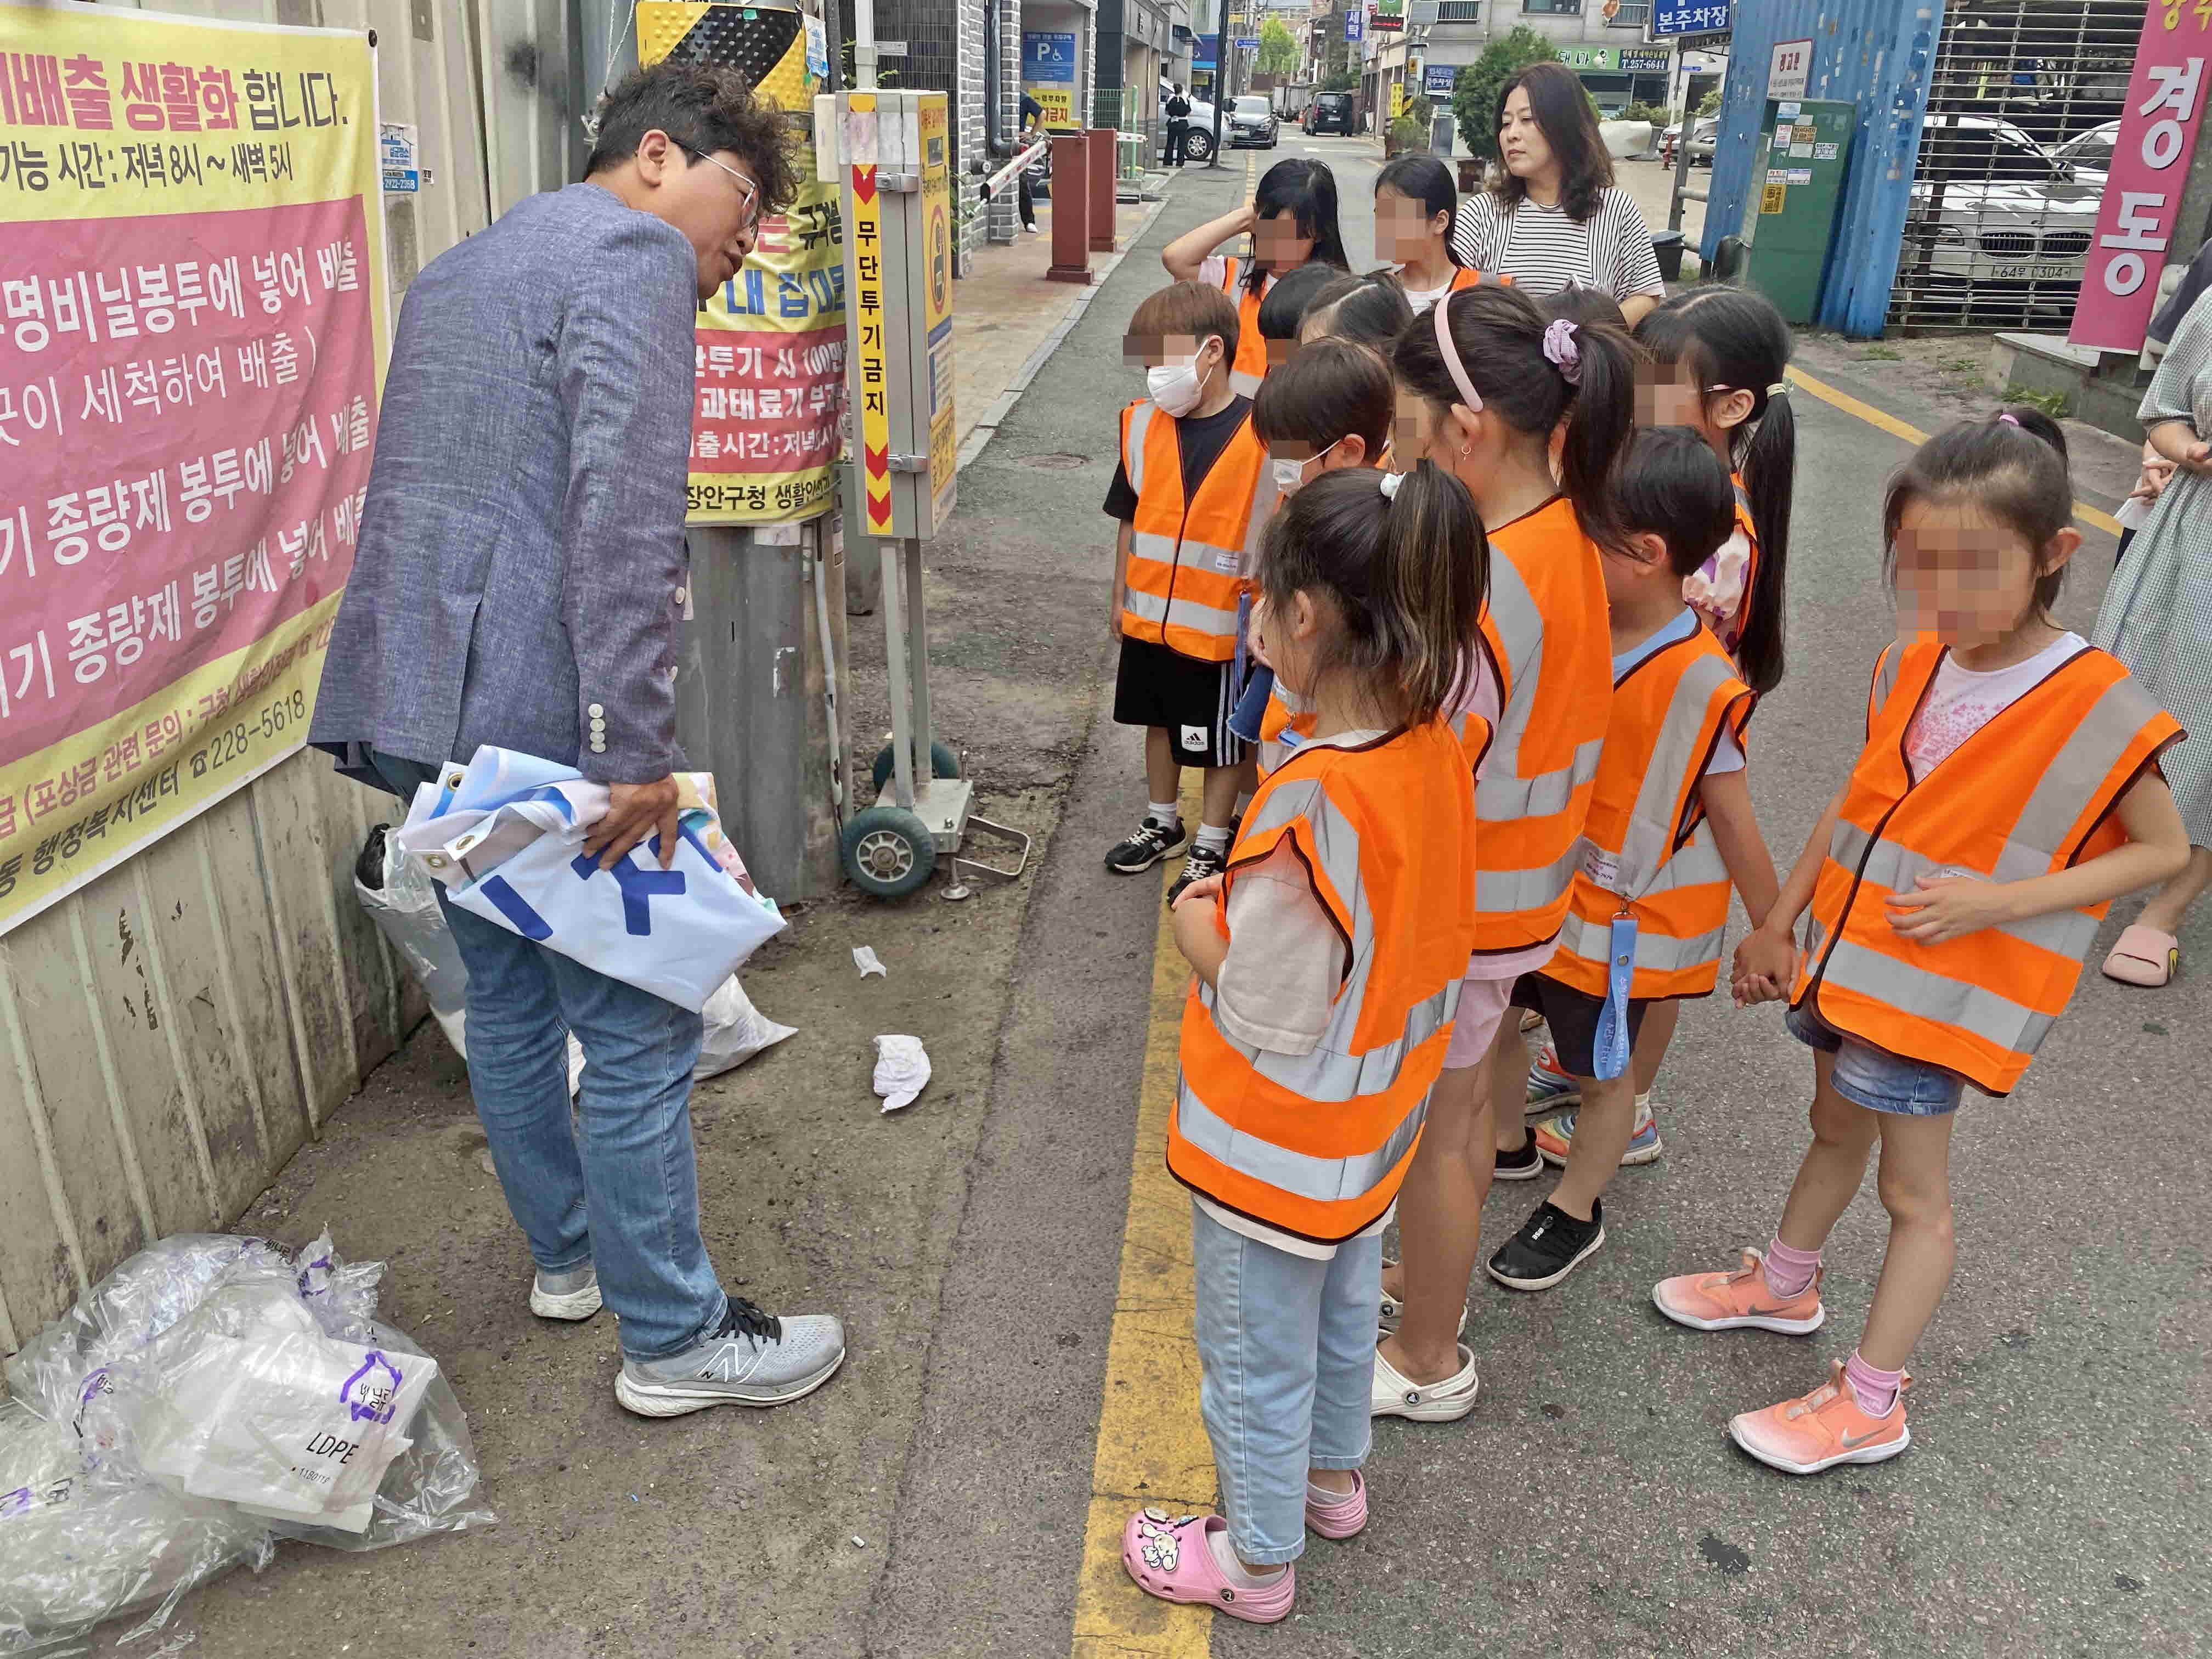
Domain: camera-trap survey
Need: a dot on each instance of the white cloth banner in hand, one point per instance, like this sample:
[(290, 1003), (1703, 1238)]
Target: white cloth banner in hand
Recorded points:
[(505, 834)]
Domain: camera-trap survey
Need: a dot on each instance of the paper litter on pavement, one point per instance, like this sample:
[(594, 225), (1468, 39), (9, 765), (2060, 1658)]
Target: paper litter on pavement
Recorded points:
[(865, 959), (902, 1071)]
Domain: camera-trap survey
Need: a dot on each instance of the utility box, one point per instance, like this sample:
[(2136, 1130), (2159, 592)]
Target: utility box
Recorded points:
[(1807, 153), (892, 159)]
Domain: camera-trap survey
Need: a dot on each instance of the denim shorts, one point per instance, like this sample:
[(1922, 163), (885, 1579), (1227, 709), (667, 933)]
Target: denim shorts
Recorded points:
[(1875, 1078)]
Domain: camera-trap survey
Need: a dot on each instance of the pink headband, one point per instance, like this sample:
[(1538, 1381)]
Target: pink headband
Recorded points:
[(1468, 395), (2007, 418)]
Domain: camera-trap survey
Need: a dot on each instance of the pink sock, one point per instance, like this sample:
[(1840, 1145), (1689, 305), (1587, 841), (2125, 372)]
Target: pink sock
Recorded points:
[(1788, 1271), (1876, 1390)]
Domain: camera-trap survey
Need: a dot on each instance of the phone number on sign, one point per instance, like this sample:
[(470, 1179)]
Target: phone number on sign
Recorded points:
[(235, 743)]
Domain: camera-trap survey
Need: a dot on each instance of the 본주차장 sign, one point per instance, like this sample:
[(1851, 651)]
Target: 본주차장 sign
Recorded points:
[(2142, 192), (771, 355), (191, 334), (1674, 17)]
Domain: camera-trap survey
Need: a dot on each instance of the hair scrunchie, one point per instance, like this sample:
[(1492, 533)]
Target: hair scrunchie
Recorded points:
[(1389, 485), (1561, 351)]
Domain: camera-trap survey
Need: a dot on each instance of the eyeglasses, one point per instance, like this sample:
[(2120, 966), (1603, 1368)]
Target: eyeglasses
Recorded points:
[(752, 190)]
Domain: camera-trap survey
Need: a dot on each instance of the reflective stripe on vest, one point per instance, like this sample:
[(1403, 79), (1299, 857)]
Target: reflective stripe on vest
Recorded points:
[(2030, 793), (1385, 833), (1645, 844), (1185, 559), (1250, 365), (1545, 625)]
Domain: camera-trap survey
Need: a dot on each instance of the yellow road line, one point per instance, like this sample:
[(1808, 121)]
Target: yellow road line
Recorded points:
[(1152, 1446), (1913, 434)]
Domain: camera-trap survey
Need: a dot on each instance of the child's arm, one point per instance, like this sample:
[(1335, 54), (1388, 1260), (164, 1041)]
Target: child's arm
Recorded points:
[(1766, 961), (1727, 798), (1121, 547), (1195, 934), (2156, 849), (2175, 439), (1183, 256)]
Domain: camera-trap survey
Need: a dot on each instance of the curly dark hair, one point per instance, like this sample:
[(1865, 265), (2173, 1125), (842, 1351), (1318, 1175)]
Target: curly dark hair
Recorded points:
[(1569, 124), (704, 111)]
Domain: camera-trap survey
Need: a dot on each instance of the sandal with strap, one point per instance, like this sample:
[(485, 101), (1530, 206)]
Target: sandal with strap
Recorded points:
[(2144, 956), (1171, 1557)]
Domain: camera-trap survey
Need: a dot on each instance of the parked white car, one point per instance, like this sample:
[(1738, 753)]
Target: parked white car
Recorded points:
[(2089, 153), (1990, 206)]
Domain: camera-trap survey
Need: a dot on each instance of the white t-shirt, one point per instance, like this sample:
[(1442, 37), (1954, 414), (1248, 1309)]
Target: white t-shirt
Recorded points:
[(1422, 298), (1278, 985), (1544, 251), (1961, 701)]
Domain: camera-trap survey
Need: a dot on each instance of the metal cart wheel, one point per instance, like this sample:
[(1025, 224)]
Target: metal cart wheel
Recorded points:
[(888, 851), (943, 762)]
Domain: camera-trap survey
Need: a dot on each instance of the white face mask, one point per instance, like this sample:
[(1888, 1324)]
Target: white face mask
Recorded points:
[(1177, 388), (1290, 474)]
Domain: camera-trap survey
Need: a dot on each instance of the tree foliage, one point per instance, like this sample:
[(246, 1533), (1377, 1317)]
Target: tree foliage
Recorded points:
[(1710, 103), (1474, 96), (1342, 80), (1279, 48)]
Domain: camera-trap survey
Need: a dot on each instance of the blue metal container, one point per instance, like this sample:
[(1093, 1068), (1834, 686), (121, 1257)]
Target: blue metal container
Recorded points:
[(1875, 53)]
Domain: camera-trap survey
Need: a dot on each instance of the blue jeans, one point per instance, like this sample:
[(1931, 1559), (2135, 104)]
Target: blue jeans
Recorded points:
[(1286, 1351), (633, 1170), (1873, 1077)]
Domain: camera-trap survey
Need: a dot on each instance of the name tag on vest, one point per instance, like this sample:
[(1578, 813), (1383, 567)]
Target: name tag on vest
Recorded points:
[(1601, 867), (1228, 563)]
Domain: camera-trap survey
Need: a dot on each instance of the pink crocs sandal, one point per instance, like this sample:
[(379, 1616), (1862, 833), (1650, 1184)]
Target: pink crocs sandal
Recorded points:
[(1168, 1557), (2144, 956), (1342, 1519)]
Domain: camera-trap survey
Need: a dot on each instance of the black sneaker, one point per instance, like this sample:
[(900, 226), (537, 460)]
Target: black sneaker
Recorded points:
[(1203, 861), (1550, 1245), (1153, 842), (1525, 1164)]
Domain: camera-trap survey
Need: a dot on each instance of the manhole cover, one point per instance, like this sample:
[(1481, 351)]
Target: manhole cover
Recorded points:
[(1056, 463)]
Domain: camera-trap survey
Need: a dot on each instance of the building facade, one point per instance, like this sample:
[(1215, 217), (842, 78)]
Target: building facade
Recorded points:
[(1609, 53)]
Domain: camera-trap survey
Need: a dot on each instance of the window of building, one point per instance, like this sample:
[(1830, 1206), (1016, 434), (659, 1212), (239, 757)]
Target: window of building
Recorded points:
[(1630, 14), (1459, 11), (1558, 7)]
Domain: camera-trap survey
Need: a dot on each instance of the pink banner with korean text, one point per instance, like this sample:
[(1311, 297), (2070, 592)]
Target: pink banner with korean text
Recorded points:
[(192, 329), (2141, 204)]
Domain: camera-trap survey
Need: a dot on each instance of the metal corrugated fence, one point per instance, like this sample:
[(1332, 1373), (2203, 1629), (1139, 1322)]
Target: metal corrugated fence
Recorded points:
[(171, 1034)]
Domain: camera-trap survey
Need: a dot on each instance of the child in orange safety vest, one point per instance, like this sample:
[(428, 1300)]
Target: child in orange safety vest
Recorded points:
[(1292, 222), (1669, 829), (1192, 493), (2008, 792), (1327, 961)]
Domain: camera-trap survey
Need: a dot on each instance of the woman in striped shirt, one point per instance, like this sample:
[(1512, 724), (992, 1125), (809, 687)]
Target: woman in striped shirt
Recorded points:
[(1557, 219)]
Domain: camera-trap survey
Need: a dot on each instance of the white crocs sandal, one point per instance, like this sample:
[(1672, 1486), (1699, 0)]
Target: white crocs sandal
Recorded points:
[(1393, 1395)]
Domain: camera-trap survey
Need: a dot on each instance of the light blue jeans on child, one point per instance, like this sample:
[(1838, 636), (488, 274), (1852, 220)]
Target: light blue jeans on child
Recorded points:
[(1287, 1344), (617, 1186)]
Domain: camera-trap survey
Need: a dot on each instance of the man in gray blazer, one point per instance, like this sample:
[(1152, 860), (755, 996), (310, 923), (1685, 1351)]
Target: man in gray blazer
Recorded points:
[(521, 581)]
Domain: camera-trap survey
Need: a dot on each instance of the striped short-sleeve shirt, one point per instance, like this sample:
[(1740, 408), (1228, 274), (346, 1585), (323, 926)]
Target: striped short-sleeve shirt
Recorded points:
[(1544, 250)]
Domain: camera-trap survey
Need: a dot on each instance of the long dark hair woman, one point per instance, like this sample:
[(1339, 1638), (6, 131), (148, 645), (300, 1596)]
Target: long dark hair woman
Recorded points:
[(1555, 218)]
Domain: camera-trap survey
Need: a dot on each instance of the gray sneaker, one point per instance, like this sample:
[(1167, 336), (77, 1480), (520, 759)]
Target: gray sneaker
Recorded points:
[(751, 1360), (572, 1294)]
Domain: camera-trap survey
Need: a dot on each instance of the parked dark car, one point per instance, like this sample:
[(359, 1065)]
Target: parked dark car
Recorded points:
[(1332, 111)]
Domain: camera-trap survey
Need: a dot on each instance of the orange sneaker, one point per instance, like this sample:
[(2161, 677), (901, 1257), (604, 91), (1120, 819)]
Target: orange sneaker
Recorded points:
[(1823, 1429), (1740, 1301)]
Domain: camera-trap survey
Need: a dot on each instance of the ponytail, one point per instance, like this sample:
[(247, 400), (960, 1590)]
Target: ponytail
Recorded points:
[(1404, 563), (1770, 479), (1734, 339), (1490, 348)]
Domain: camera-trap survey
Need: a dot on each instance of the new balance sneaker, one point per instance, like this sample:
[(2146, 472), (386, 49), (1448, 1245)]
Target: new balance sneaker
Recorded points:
[(751, 1359), (1549, 1086), (1555, 1136), (1550, 1245), (1524, 1164), (1740, 1301), (1203, 861), (1822, 1429), (1152, 842), (571, 1294)]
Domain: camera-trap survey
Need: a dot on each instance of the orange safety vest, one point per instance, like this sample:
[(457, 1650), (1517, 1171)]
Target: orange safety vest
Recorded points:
[(1187, 559), (1733, 637), (1289, 718), (1250, 365), (2030, 793), (1317, 1144), (1550, 643), (1646, 847), (1468, 277)]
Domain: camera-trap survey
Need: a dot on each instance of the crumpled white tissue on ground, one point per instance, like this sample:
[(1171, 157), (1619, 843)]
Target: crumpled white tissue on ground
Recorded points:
[(865, 959), (902, 1071)]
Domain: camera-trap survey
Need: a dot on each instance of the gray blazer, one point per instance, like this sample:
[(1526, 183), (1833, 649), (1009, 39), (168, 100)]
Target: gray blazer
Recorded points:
[(521, 575)]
